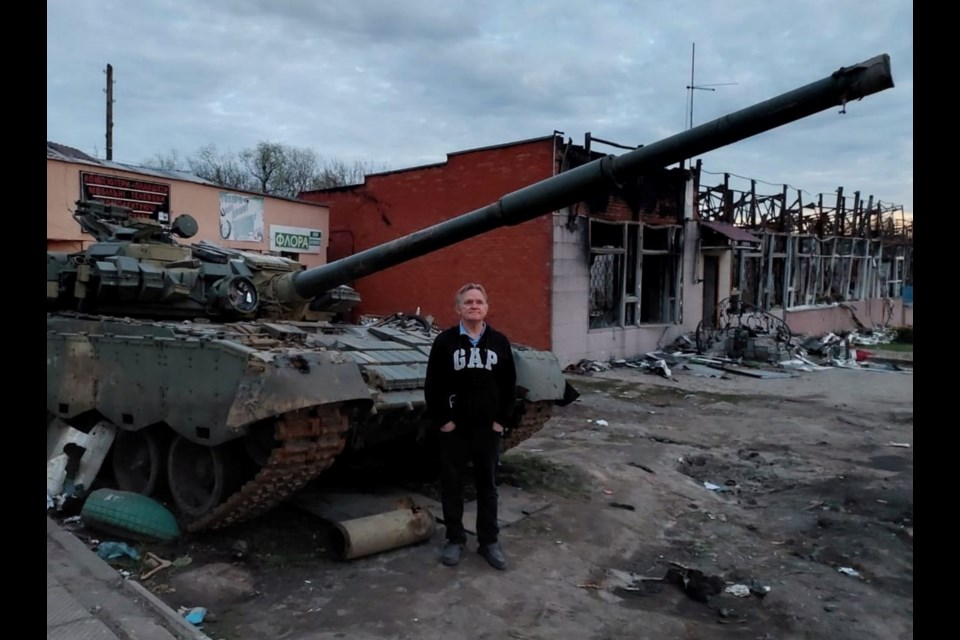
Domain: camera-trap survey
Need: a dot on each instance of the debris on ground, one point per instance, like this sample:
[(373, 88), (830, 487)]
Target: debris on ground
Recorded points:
[(193, 615), (848, 571), (111, 550), (695, 583), (759, 345), (156, 564)]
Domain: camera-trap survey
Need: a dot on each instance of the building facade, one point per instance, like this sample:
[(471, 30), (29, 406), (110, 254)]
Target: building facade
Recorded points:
[(237, 219), (612, 276)]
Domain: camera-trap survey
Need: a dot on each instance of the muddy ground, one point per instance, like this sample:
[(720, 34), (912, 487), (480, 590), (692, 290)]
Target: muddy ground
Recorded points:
[(807, 481)]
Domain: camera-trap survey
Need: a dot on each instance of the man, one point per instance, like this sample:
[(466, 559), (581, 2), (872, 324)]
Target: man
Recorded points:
[(470, 392)]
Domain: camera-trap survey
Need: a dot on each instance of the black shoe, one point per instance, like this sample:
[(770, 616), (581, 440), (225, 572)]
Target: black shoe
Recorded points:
[(494, 555), (451, 554)]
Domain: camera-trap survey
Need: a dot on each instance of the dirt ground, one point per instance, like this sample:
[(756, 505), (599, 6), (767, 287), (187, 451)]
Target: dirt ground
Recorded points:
[(806, 479)]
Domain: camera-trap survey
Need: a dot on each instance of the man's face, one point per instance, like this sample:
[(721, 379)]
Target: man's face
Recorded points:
[(473, 306)]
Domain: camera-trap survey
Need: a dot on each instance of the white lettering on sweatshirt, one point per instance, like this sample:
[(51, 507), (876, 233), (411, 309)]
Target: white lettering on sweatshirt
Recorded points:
[(476, 359)]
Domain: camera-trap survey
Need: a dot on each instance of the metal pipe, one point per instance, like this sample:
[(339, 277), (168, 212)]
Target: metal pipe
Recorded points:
[(381, 532), (566, 188)]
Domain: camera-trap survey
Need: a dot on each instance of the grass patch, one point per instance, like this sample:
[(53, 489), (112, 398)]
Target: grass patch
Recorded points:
[(904, 335), (893, 346), (532, 472), (286, 560)]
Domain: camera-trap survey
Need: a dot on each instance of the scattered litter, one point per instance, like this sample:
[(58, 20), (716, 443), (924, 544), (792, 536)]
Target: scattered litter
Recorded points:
[(602, 423), (712, 487), (849, 572), (620, 505), (194, 616), (758, 589), (111, 550), (642, 466), (587, 366), (739, 590), (535, 450), (660, 366), (702, 371), (559, 541), (797, 364), (158, 564), (589, 585), (696, 584), (608, 492), (904, 445), (71, 519)]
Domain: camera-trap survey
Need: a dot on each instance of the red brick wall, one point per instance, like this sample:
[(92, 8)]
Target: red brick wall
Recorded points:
[(512, 263)]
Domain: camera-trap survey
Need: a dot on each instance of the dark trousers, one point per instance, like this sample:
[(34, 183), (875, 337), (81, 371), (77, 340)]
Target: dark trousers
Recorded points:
[(481, 447)]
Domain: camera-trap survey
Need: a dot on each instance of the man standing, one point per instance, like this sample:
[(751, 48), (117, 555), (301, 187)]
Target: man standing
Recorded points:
[(470, 393)]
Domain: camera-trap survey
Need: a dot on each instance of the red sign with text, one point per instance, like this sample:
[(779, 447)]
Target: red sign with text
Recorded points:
[(146, 199)]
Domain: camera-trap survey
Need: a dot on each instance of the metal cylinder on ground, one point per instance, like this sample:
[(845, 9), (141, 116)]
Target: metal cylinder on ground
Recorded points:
[(381, 532)]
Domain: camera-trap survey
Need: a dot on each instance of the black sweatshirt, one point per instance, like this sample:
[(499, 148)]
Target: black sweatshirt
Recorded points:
[(472, 386)]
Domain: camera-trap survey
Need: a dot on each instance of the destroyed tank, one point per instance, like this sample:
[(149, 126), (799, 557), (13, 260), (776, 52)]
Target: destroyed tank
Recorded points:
[(229, 376)]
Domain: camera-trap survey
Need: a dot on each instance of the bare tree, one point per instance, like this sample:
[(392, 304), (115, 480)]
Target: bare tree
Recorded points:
[(270, 167), (300, 172), (266, 164), (337, 173), (170, 161)]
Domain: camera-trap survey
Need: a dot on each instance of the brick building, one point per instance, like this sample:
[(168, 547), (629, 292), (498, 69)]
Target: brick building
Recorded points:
[(602, 279)]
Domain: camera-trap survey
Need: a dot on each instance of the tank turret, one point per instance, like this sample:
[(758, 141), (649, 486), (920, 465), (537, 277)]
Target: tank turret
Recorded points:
[(219, 389)]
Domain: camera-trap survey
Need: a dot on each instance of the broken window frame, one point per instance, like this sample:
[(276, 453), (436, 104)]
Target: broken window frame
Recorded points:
[(624, 292), (670, 300), (795, 270)]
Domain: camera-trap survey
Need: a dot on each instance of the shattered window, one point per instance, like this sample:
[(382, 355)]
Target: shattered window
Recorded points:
[(634, 274), (660, 274), (608, 264), (805, 270)]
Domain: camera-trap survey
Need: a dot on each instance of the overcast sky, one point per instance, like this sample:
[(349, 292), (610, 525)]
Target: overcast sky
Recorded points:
[(401, 84)]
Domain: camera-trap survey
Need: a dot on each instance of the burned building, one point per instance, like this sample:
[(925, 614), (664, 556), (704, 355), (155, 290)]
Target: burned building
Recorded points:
[(607, 277)]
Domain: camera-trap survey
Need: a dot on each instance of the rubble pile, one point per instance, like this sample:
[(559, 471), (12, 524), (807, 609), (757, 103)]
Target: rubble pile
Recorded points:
[(759, 352)]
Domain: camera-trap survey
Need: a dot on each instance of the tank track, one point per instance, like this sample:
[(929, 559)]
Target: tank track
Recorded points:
[(534, 417), (308, 441)]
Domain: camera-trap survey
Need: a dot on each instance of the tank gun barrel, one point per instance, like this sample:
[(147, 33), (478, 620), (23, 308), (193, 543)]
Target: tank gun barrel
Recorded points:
[(562, 190)]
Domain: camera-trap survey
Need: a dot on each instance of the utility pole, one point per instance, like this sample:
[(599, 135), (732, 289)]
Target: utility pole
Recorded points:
[(109, 112)]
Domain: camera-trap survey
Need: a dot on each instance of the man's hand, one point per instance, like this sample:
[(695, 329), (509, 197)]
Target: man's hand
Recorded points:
[(447, 428), (498, 427)]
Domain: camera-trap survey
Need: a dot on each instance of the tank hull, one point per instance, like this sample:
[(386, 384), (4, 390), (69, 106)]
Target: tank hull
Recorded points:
[(274, 403)]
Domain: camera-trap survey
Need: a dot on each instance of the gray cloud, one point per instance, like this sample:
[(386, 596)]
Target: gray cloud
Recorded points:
[(407, 83)]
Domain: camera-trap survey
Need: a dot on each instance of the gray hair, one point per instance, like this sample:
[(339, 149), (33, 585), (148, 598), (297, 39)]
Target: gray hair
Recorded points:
[(467, 287)]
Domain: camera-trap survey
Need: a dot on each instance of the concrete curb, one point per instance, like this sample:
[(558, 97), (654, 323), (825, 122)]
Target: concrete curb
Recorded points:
[(100, 569)]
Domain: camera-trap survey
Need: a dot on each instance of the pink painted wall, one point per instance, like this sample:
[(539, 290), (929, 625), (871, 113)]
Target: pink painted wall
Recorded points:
[(825, 319), (200, 201)]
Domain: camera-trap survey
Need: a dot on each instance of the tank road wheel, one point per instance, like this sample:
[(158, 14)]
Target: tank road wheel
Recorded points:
[(199, 477), (138, 461)]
